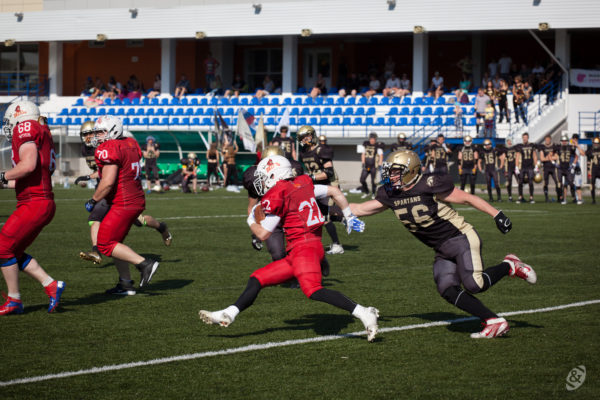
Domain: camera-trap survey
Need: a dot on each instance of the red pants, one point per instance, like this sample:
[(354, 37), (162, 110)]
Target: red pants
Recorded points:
[(115, 226), (24, 225), (303, 263)]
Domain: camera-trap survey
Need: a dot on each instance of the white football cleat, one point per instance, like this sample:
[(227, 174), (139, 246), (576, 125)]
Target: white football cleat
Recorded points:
[(368, 317), (336, 249), (493, 327), (519, 269), (215, 317)]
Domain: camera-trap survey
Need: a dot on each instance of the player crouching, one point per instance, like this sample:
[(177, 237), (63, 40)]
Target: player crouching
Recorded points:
[(293, 202), (34, 162), (118, 160)]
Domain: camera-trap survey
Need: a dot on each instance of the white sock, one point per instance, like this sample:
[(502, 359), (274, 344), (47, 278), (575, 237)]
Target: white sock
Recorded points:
[(47, 281), (16, 296), (232, 311), (358, 311)]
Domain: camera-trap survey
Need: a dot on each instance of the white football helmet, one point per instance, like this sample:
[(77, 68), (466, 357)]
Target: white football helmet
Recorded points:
[(19, 111), (269, 171), (107, 127)]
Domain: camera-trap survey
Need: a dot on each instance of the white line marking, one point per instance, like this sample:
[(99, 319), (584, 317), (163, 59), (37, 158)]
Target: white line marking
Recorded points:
[(270, 345)]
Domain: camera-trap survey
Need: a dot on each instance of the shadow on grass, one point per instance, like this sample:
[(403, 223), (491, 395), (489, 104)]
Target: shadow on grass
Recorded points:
[(321, 324), (153, 289), (108, 261)]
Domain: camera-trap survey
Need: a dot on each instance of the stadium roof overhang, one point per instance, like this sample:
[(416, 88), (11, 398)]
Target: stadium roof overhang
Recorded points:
[(278, 18)]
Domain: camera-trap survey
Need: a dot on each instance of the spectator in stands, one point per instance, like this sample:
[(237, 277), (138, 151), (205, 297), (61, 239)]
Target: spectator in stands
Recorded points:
[(491, 92), (155, 91), (519, 99), (388, 68), (504, 64), (392, 85), (496, 81), (485, 79), (216, 86), (493, 67), (537, 69), (268, 88), (98, 89), (439, 92), (239, 86), (151, 152), (210, 69), (320, 87), (405, 85), (374, 86), (182, 87), (461, 96), (480, 104), (465, 83), (503, 101), (88, 86), (114, 89), (134, 88), (353, 86), (489, 119), (437, 80)]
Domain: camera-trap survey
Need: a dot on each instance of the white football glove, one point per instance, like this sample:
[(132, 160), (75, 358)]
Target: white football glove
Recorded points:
[(352, 223), (251, 220)]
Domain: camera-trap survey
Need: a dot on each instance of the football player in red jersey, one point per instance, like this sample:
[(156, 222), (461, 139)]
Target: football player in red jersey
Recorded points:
[(118, 159), (293, 202), (422, 204), (34, 162)]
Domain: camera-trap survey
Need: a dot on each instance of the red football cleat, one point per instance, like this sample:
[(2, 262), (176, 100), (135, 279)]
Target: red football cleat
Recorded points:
[(54, 291), (492, 328), (11, 306), (519, 269)]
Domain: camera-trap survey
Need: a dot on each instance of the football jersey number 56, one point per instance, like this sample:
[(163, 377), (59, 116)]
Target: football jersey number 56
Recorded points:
[(312, 206)]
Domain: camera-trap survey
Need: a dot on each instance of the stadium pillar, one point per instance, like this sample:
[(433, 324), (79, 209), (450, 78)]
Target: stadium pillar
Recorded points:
[(562, 51), (55, 68), (290, 64), (222, 50), (420, 63), (167, 65)]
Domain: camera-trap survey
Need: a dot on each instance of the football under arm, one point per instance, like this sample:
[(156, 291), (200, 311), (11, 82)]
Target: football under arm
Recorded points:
[(27, 162), (458, 196), (109, 177), (367, 208)]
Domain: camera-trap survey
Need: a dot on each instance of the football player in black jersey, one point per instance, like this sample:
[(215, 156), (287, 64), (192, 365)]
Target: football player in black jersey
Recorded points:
[(429, 164), (422, 204), (86, 134), (439, 153), (526, 161), (547, 151), (287, 144), (402, 144), (510, 166), (318, 162), (567, 160), (467, 161), (189, 173), (593, 156), (371, 159), (490, 160)]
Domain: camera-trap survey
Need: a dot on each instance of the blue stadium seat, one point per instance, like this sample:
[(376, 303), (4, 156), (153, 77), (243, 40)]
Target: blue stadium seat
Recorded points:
[(169, 111), (428, 100), (68, 121), (427, 111), (74, 111), (384, 101), (308, 101), (102, 111), (330, 101), (449, 121), (154, 102), (293, 121), (392, 121), (413, 121), (159, 111), (359, 111), (438, 111), (194, 101), (130, 111), (294, 111), (287, 101), (243, 101), (92, 111), (363, 101), (380, 121), (405, 111), (214, 101), (254, 101), (274, 101), (369, 121), (150, 111), (301, 91), (174, 121), (373, 101), (178, 111), (206, 121), (302, 121), (135, 121), (358, 121), (117, 102), (154, 121), (350, 101), (126, 121), (230, 111), (164, 121), (59, 121), (393, 111), (337, 111), (471, 122), (139, 111), (108, 102), (198, 111), (189, 111), (203, 101), (195, 121), (185, 121), (273, 111), (209, 111), (418, 101), (349, 111), (318, 101), (120, 111), (440, 101), (325, 121), (313, 121), (77, 121), (126, 102), (340, 101), (260, 111), (335, 121), (407, 101), (315, 111), (416, 111), (174, 101), (347, 121), (64, 111), (326, 111), (395, 101), (270, 121), (426, 121), (145, 101), (298, 101), (371, 111), (438, 121), (449, 111), (183, 102), (79, 102)]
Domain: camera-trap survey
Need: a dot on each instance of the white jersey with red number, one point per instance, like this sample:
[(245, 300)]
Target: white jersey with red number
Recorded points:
[(294, 202), (126, 154), (38, 184)]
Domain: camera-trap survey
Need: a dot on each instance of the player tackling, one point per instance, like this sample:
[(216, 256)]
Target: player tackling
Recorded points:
[(293, 203), (34, 162), (422, 204)]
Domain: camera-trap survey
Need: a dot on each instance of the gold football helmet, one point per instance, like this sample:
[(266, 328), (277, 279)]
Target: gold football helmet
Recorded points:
[(468, 140), (401, 169), (271, 151), (596, 142), (487, 142), (86, 133), (401, 137), (191, 156), (307, 135), (537, 178), (323, 138)]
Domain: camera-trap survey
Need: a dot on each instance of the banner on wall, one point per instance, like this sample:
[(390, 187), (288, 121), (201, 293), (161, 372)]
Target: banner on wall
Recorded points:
[(585, 78)]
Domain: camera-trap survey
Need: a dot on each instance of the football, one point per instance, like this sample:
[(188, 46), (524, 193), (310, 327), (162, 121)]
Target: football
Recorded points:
[(205, 188), (259, 214)]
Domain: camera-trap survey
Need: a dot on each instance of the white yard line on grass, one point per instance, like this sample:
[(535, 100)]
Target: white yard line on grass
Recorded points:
[(264, 346)]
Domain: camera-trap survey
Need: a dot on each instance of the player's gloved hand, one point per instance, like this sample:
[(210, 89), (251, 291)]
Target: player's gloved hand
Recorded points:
[(352, 223), (90, 204), (460, 171), (256, 243), (82, 179), (577, 170), (517, 171), (251, 220), (503, 222)]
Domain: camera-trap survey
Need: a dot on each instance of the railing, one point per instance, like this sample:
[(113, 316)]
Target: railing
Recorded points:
[(24, 84), (589, 121)]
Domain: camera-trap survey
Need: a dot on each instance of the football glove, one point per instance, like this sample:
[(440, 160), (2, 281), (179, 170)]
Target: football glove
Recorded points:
[(82, 179), (256, 243), (503, 222), (352, 223), (251, 220), (90, 204)]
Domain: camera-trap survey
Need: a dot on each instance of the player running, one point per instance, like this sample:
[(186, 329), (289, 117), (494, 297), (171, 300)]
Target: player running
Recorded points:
[(421, 203), (293, 202), (118, 160), (34, 162), (88, 152)]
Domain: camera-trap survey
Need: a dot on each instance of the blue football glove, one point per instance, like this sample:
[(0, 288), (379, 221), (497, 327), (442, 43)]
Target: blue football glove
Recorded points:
[(90, 204), (352, 223)]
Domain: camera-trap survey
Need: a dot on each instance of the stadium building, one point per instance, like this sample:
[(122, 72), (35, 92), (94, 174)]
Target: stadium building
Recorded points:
[(52, 47)]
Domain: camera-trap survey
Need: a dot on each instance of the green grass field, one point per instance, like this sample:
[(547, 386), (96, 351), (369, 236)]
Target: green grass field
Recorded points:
[(208, 265)]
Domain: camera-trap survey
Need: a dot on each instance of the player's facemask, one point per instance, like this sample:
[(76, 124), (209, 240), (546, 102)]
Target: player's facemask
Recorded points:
[(401, 169), (99, 138)]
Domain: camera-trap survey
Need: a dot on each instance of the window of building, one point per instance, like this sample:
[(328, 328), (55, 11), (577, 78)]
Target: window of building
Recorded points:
[(263, 62), (19, 67)]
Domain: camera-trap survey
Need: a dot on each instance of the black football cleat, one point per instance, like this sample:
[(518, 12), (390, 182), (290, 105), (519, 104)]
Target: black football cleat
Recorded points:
[(147, 269)]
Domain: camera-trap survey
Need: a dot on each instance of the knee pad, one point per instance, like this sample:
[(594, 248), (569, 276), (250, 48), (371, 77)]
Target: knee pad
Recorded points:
[(23, 261), (451, 294), (140, 221), (7, 262)]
